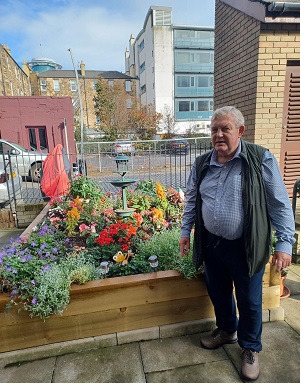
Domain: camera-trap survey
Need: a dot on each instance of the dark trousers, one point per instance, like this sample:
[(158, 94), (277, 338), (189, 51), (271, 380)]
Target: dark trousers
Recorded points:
[(225, 264)]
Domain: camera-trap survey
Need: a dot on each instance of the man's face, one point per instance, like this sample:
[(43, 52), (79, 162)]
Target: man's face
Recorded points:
[(225, 136)]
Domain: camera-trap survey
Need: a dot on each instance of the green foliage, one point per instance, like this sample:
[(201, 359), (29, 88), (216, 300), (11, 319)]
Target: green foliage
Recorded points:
[(165, 245), (82, 187)]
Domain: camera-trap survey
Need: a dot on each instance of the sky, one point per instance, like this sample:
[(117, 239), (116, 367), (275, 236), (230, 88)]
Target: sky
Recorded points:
[(96, 31)]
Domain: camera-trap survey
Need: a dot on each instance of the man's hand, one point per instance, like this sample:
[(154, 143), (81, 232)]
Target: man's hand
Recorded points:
[(184, 246), (282, 260)]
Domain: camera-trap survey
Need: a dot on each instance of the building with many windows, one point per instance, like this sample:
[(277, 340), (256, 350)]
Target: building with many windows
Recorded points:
[(58, 82), (174, 65), (13, 80)]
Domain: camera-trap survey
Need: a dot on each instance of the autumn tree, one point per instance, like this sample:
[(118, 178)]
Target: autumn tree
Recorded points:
[(110, 106), (144, 120)]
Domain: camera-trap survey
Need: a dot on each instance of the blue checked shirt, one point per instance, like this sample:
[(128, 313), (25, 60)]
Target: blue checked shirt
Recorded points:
[(222, 205)]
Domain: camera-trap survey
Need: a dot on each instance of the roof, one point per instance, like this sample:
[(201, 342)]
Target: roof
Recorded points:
[(269, 11), (91, 74)]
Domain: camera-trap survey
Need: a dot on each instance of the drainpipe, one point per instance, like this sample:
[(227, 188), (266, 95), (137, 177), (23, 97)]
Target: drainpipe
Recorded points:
[(283, 6)]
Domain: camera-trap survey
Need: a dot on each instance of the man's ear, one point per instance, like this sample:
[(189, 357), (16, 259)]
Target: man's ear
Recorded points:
[(241, 130)]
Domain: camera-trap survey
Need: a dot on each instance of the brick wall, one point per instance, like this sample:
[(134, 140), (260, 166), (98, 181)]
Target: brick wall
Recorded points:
[(250, 64), (235, 66), (13, 81), (28, 212), (278, 44)]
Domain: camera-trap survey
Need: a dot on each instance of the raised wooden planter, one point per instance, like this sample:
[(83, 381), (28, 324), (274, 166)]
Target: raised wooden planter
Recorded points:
[(118, 304)]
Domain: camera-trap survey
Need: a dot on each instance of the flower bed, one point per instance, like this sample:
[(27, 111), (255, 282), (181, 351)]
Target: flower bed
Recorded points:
[(38, 271)]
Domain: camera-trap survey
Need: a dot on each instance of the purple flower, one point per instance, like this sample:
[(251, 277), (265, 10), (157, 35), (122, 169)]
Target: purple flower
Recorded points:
[(55, 250), (34, 301), (43, 246), (46, 268), (33, 243), (33, 282)]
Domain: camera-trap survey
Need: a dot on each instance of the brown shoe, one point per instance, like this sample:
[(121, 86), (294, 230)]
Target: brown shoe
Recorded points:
[(217, 339), (249, 364)]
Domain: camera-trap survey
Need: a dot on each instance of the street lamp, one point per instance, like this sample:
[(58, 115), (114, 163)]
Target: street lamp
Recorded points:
[(122, 164)]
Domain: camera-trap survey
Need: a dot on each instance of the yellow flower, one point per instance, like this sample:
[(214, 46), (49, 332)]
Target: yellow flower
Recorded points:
[(157, 213), (73, 214), (160, 192)]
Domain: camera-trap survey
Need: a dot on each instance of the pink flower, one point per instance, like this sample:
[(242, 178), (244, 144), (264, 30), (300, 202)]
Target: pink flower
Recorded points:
[(83, 227)]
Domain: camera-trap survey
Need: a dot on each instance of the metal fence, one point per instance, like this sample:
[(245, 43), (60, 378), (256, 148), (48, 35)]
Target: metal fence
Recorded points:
[(158, 160)]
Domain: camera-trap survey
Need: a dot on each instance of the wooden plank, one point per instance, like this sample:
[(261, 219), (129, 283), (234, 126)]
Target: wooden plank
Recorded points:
[(136, 302), (57, 329)]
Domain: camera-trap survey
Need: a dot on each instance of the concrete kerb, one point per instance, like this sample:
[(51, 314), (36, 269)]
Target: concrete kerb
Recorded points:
[(126, 337)]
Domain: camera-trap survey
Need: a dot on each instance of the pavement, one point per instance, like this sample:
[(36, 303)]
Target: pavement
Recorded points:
[(174, 357)]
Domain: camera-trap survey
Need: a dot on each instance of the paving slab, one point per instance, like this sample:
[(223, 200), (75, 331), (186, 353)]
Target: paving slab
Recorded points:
[(214, 372), (279, 360), (39, 371), (170, 353), (119, 364)]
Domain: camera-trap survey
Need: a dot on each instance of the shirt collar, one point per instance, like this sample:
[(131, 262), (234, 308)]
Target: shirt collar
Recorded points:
[(214, 161)]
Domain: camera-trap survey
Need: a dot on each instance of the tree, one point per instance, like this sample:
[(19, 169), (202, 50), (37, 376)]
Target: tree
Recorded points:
[(110, 107), (168, 122), (144, 120)]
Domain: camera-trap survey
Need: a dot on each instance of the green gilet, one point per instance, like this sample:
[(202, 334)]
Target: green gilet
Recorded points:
[(257, 226)]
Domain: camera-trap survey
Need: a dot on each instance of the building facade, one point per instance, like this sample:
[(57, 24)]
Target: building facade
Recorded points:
[(174, 68), (13, 80), (257, 69), (38, 123), (63, 83)]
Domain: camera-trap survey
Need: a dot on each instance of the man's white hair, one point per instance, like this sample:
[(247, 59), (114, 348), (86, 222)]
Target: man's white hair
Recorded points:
[(226, 110)]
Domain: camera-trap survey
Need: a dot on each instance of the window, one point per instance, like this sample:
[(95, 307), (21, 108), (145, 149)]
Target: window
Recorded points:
[(183, 106), (192, 106), (141, 46), (162, 17), (202, 57), (111, 83), (43, 86), (73, 85), (192, 81), (56, 85), (182, 57), (128, 86), (143, 89), (203, 106), (129, 103), (202, 81), (142, 67), (183, 81), (203, 35), (17, 73), (37, 138), (182, 34), (95, 85), (97, 120)]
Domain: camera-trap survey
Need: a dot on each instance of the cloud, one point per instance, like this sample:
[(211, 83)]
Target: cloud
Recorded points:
[(96, 31)]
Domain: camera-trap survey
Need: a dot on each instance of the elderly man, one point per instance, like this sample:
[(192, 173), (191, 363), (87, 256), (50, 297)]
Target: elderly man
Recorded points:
[(235, 194)]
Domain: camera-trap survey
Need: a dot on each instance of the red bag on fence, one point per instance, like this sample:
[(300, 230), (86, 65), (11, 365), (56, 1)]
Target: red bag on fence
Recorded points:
[(56, 173)]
